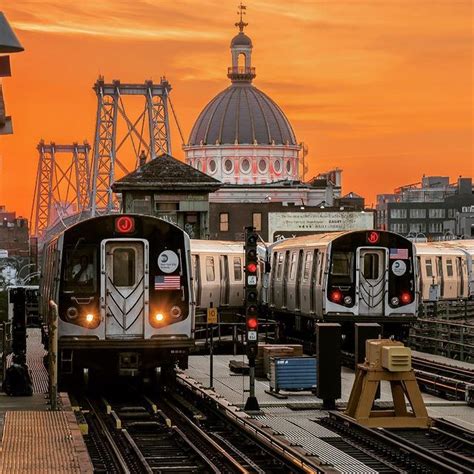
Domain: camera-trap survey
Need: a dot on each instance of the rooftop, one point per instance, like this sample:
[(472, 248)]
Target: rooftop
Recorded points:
[(167, 174)]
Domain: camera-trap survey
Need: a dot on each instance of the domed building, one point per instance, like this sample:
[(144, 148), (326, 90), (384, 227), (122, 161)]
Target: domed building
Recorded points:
[(243, 139), (242, 136)]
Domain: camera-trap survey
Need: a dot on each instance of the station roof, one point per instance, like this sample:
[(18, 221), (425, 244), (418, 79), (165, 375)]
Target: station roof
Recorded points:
[(166, 173)]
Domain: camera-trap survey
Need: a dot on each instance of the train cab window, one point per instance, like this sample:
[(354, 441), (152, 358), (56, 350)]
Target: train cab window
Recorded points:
[(449, 268), (429, 267), (308, 260), (210, 270), (237, 268), (124, 267), (80, 272), (279, 266), (371, 266), (341, 267)]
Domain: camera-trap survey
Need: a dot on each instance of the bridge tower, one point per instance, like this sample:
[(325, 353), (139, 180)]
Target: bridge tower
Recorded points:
[(62, 184), (146, 133)]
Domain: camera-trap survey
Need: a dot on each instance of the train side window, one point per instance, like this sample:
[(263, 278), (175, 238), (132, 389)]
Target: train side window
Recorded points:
[(308, 260), (124, 267), (210, 269), (293, 266), (279, 266), (371, 266), (321, 263), (449, 268), (429, 267), (237, 268)]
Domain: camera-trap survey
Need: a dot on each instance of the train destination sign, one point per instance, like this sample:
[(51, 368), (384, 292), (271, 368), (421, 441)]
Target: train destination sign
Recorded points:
[(283, 225)]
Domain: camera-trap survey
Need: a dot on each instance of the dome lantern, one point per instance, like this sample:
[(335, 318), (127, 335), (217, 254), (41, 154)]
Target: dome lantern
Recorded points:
[(241, 50)]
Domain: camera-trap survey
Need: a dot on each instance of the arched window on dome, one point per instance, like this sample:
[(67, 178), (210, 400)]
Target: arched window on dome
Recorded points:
[(241, 62)]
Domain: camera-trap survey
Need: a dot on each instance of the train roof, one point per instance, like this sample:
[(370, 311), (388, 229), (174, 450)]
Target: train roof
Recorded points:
[(308, 240), (448, 247), (216, 246), (427, 248), (319, 239)]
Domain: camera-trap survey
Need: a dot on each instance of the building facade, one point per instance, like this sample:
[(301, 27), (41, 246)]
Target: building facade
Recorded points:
[(431, 209), (14, 237), (167, 188)]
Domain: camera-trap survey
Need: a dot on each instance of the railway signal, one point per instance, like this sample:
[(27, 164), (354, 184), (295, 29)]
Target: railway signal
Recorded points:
[(251, 310), (251, 294)]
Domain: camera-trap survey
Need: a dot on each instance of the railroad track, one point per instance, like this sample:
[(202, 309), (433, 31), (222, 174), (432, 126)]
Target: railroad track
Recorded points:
[(446, 381), (137, 434), (442, 449)]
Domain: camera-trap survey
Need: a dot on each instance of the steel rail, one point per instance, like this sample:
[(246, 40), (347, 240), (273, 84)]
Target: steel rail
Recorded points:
[(294, 457), (437, 460), (112, 443), (201, 433), (388, 438)]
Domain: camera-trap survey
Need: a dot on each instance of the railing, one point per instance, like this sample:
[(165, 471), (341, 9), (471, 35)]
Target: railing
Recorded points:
[(454, 340), (241, 70)]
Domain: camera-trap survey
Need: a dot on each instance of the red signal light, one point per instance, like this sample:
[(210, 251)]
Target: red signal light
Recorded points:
[(252, 267), (405, 297), (336, 296), (373, 237), (252, 323), (125, 224)]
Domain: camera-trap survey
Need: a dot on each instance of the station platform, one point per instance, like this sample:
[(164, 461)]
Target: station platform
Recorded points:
[(295, 417), (33, 438)]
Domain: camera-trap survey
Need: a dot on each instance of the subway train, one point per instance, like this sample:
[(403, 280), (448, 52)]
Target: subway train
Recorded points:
[(344, 277), (446, 270), (125, 302)]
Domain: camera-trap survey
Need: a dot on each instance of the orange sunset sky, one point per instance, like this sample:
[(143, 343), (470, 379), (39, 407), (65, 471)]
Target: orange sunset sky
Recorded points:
[(379, 88)]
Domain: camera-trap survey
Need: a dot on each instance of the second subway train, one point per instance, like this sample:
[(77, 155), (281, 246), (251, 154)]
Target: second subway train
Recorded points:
[(346, 277)]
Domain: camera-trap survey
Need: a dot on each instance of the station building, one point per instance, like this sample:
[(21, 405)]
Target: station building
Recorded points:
[(433, 209)]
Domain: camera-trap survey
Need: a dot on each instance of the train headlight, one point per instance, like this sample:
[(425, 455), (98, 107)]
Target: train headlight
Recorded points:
[(90, 318), (347, 300), (175, 312), (159, 317), (72, 313), (394, 301)]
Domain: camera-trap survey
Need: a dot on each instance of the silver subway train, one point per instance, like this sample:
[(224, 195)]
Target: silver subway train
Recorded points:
[(346, 277), (122, 287), (446, 269)]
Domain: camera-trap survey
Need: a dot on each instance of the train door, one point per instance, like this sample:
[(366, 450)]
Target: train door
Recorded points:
[(196, 279), (286, 266), (314, 281), (439, 264), (224, 271), (125, 289), (372, 282), (459, 277), (273, 277), (299, 272)]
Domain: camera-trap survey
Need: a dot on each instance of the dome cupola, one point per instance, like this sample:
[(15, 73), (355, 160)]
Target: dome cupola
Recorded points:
[(242, 136)]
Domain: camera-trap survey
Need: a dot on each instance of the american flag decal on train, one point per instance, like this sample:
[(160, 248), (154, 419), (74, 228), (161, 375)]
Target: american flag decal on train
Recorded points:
[(168, 282), (399, 254)]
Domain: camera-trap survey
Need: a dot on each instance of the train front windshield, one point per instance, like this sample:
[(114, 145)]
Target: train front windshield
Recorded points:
[(80, 270)]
